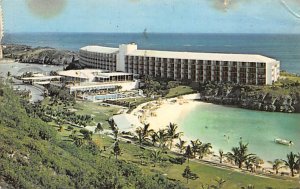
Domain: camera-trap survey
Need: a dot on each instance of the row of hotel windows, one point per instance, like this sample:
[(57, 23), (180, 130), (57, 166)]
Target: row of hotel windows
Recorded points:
[(102, 65), (103, 58), (94, 54), (158, 66), (204, 73), (98, 60), (106, 61), (136, 59)]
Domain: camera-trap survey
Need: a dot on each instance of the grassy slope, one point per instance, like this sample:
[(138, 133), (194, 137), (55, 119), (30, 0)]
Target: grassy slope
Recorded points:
[(289, 76), (29, 160), (180, 90), (130, 153)]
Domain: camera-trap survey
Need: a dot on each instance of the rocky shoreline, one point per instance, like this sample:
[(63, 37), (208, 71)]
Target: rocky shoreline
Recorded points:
[(39, 55), (252, 97)]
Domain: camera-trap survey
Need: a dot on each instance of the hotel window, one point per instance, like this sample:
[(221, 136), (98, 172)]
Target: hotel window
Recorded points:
[(260, 65)]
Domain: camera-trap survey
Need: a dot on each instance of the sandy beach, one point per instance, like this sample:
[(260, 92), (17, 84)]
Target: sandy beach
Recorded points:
[(161, 112)]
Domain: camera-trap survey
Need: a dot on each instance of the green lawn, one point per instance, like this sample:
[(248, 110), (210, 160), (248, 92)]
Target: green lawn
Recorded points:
[(207, 174), (137, 101), (178, 91), (289, 76), (97, 111)]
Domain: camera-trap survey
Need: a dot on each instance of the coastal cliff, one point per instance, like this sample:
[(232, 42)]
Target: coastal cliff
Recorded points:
[(282, 97), (39, 55)]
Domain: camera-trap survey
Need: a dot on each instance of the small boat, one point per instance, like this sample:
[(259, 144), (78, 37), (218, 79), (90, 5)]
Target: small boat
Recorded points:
[(284, 142)]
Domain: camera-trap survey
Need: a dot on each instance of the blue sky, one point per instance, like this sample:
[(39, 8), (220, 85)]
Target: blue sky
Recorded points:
[(167, 16)]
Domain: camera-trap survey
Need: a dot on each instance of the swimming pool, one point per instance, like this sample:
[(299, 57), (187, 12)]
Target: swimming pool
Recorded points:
[(105, 97)]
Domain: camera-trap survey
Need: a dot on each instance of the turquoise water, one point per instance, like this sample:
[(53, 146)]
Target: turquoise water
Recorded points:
[(223, 126)]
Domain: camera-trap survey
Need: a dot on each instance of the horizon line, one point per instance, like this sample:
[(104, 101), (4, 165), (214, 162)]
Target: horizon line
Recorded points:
[(191, 33)]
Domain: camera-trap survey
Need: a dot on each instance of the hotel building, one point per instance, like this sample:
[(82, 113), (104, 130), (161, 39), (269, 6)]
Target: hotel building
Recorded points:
[(199, 67)]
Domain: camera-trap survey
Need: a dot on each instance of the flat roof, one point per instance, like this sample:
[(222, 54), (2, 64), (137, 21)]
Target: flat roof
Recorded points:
[(85, 73), (185, 55), (202, 56), (74, 73), (90, 73), (111, 74), (41, 78), (100, 49)]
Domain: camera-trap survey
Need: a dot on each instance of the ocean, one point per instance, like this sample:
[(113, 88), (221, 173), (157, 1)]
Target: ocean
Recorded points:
[(284, 47)]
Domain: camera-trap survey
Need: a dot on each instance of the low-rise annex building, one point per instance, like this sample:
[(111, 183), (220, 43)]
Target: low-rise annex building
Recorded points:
[(95, 79), (199, 67)]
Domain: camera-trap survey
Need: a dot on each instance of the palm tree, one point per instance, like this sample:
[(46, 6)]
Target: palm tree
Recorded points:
[(162, 138), (181, 145), (221, 155), (143, 133), (146, 130), (153, 138), (249, 164), (196, 144), (117, 150), (172, 133), (139, 135), (204, 150), (291, 162), (155, 156), (277, 164), (188, 153), (239, 154)]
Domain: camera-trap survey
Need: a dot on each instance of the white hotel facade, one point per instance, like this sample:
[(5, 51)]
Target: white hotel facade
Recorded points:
[(199, 67)]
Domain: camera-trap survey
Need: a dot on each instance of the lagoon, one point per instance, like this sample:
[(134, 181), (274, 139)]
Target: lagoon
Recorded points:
[(224, 127)]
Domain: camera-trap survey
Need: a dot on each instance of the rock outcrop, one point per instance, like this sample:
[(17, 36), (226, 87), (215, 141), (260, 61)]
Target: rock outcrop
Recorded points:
[(39, 55), (251, 97)]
